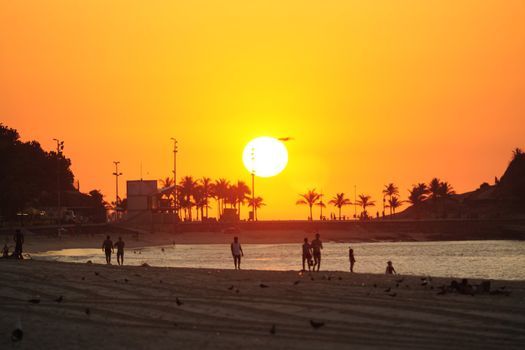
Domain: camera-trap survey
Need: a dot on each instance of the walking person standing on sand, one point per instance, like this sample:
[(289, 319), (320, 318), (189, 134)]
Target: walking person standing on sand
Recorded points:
[(107, 247), (317, 245), (19, 242), (390, 268), (120, 251), (307, 254), (351, 258), (236, 253)]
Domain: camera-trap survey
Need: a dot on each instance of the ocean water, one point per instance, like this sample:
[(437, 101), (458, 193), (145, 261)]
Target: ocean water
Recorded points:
[(474, 259)]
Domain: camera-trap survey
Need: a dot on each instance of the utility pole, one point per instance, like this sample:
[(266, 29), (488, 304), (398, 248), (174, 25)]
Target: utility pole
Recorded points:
[(253, 184), (175, 209), (355, 201), (60, 148), (117, 174)]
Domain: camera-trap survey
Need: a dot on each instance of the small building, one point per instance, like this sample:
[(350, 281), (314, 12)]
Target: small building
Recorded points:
[(141, 196)]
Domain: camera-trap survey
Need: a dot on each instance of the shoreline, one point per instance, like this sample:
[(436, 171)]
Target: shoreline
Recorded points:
[(141, 307)]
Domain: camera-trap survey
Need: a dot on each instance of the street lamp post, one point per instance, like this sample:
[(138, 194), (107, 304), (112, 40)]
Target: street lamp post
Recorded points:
[(253, 184), (175, 209), (60, 148), (117, 174)]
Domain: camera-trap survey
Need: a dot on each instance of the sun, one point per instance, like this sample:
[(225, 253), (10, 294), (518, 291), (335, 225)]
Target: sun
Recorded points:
[(265, 156)]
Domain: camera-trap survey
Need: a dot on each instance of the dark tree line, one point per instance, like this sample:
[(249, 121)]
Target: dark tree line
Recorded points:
[(28, 178)]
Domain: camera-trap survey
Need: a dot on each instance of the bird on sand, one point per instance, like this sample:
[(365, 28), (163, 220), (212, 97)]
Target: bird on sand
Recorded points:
[(17, 335), (87, 311), (59, 299), (272, 330), (262, 285), (316, 324), (34, 301), (179, 303)]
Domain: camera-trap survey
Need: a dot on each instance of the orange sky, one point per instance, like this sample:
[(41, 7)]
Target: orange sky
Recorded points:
[(372, 91)]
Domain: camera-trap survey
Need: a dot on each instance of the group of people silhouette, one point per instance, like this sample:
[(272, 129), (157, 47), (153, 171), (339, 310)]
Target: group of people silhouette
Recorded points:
[(311, 252), (311, 255), (108, 248)]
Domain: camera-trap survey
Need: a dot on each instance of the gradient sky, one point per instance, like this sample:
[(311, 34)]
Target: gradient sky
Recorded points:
[(372, 91)]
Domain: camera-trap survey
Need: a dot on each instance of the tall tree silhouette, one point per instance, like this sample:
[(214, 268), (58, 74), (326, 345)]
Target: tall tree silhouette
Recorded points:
[(256, 203), (418, 194), (309, 198), (339, 201), (206, 184), (390, 190), (241, 194), (187, 187), (365, 201), (394, 203), (220, 192)]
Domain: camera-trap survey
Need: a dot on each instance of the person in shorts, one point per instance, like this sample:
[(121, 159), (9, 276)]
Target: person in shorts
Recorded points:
[(236, 253)]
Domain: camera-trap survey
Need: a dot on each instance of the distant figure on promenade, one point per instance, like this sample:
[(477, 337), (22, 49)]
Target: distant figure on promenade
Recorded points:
[(317, 245), (390, 268), (120, 251), (5, 251), (107, 247), (307, 254), (351, 258), (236, 253), (19, 242)]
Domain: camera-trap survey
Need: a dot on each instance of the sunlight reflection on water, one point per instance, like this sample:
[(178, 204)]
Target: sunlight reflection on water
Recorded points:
[(476, 259)]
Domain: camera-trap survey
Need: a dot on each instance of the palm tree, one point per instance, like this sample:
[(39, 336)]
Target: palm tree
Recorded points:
[(219, 191), (446, 190), (365, 201), (321, 205), (434, 188), (241, 193), (187, 188), (394, 203), (418, 194), (390, 190), (309, 198), (339, 201), (201, 200), (205, 183), (255, 203)]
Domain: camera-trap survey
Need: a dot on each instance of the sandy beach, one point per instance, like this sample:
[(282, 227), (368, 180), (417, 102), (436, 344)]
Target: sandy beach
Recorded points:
[(114, 307)]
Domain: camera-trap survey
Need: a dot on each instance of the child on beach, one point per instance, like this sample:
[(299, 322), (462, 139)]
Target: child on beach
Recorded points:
[(351, 258), (236, 253), (390, 268), (307, 254), (107, 247)]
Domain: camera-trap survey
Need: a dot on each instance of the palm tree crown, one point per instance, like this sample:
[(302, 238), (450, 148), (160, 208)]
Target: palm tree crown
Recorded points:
[(339, 201), (309, 198), (365, 201)]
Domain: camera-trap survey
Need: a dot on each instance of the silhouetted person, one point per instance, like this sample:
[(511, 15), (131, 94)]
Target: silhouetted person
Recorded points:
[(351, 258), (5, 251), (307, 254), (107, 247), (120, 251), (236, 253), (19, 242), (390, 269), (317, 245)]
